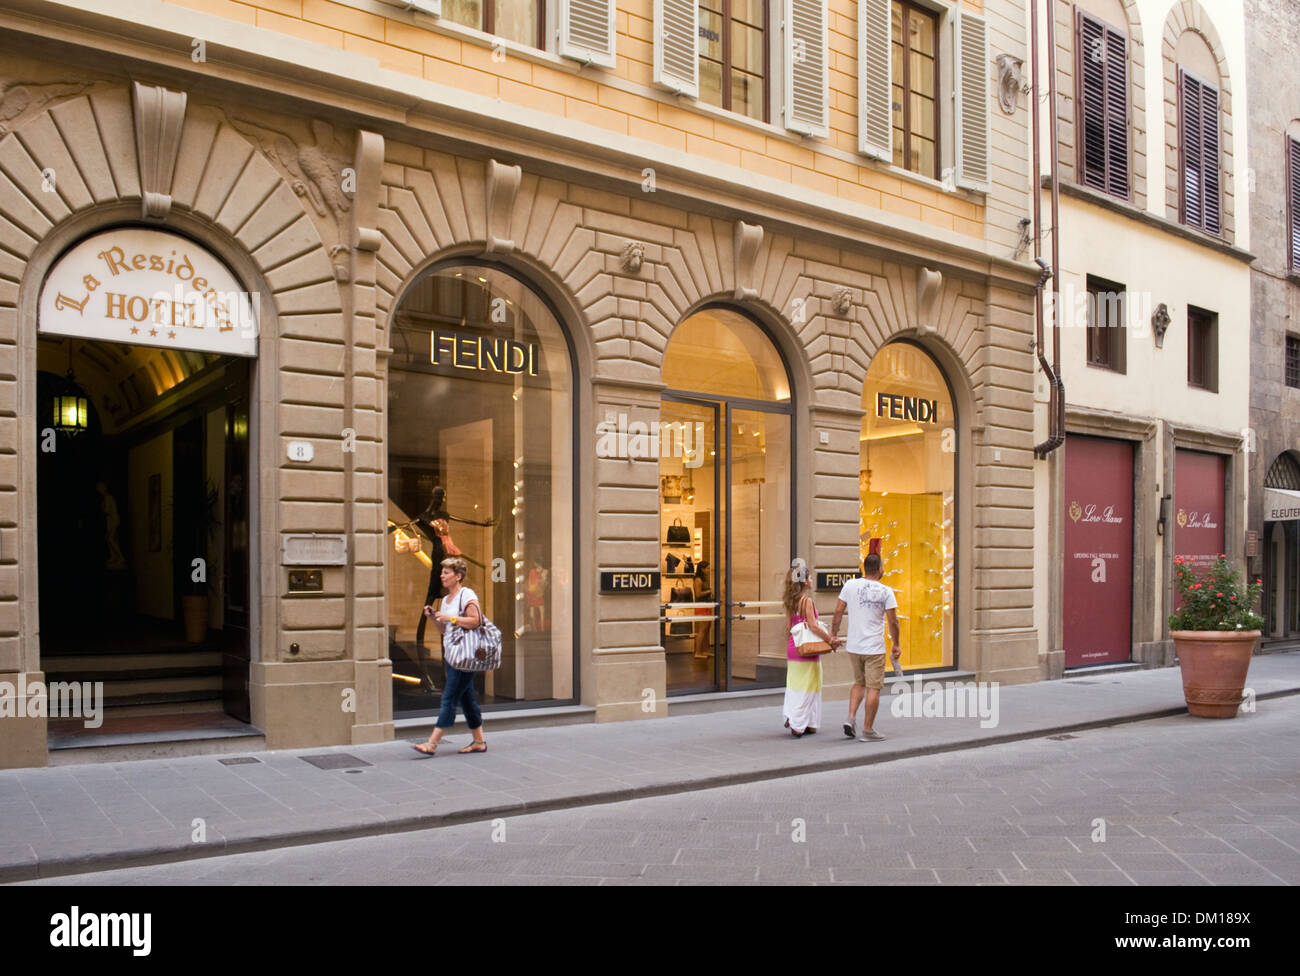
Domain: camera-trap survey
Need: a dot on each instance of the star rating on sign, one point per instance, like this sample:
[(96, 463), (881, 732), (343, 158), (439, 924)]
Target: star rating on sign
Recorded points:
[(153, 332), (172, 334), (135, 330)]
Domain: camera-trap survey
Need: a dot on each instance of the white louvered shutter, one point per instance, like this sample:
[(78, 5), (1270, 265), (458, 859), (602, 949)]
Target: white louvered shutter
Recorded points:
[(805, 67), (677, 59), (971, 98), (586, 31), (875, 79)]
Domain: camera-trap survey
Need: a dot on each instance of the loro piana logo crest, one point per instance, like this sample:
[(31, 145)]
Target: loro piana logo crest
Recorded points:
[(1182, 518), (1076, 510)]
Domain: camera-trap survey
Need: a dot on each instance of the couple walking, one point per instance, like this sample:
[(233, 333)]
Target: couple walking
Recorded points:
[(869, 604)]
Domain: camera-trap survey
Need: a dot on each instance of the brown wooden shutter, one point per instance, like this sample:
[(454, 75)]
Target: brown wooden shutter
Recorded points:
[(1189, 147), (1117, 180), (1293, 200), (1102, 78), (1198, 150), (1210, 156)]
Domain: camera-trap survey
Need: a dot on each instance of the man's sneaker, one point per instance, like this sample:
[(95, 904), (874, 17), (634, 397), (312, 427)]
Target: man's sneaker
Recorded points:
[(851, 729), (870, 735)]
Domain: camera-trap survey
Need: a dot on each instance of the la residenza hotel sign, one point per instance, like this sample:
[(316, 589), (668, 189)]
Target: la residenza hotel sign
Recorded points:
[(149, 288)]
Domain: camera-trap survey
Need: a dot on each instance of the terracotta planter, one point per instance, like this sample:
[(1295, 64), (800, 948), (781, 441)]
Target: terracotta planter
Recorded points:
[(1214, 665)]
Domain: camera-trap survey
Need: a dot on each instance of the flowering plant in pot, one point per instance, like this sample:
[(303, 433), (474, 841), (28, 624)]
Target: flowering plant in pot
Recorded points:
[(1215, 631)]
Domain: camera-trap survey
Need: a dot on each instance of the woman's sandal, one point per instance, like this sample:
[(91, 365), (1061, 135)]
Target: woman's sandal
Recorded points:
[(420, 748), (474, 747)]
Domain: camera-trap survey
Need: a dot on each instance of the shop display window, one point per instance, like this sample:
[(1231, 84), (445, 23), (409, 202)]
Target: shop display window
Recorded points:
[(907, 484), (480, 440)]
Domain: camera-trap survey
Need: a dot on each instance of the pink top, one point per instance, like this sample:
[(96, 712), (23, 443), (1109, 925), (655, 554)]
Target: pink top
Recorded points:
[(791, 652)]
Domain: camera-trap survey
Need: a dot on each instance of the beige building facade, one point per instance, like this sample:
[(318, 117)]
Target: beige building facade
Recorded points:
[(1154, 294), (620, 347)]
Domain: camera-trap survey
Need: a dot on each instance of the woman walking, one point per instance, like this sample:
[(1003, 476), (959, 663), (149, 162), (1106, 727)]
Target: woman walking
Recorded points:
[(459, 608), (803, 675)]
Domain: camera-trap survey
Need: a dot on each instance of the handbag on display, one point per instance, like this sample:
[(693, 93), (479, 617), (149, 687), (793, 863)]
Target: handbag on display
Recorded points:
[(472, 650), (444, 532), (671, 563), (690, 566), (671, 487), (678, 534), (681, 594)]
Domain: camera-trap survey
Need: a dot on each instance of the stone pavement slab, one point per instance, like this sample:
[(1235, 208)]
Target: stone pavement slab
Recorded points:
[(73, 819)]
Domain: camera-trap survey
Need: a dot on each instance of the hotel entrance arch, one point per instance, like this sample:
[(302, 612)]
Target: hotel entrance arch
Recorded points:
[(144, 488), (726, 465)]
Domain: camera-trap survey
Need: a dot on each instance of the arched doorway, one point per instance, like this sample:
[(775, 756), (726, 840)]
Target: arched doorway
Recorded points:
[(480, 443), (1281, 572), (725, 466), (145, 341), (908, 494)]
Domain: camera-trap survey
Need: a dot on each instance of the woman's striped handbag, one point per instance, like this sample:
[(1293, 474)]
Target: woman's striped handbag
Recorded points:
[(472, 650)]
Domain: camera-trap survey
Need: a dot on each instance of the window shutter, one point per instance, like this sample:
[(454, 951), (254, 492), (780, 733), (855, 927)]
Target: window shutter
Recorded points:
[(1198, 135), (677, 60), (971, 95), (1091, 38), (805, 67), (1189, 146), (587, 31), (1293, 199), (1117, 163), (875, 111), (1210, 156)]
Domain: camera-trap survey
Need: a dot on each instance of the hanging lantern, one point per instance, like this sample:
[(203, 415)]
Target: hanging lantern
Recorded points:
[(71, 414)]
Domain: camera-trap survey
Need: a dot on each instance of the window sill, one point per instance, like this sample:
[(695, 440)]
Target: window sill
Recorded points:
[(1108, 369), (1201, 389), (1114, 204), (397, 10)]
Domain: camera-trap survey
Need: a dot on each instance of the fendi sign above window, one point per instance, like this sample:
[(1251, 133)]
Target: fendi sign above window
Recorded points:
[(149, 288)]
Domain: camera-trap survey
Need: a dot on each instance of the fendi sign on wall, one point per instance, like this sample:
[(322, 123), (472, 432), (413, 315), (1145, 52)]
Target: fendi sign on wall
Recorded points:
[(482, 353), (896, 406), (149, 288)]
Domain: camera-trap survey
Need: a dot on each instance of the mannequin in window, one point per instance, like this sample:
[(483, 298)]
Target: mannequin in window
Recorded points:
[(435, 522)]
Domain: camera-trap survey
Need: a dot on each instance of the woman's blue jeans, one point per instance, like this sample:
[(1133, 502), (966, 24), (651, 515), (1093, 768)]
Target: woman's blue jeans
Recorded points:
[(459, 690)]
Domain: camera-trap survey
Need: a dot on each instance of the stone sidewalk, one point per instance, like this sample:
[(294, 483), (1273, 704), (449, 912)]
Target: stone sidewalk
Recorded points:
[(74, 819)]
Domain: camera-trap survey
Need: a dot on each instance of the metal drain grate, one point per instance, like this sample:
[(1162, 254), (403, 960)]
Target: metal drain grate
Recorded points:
[(334, 760), (238, 761)]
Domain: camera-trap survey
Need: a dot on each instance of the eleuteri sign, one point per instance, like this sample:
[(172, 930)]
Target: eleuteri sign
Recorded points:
[(150, 288)]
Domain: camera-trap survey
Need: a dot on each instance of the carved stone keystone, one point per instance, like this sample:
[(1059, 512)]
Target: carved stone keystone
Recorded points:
[(159, 119)]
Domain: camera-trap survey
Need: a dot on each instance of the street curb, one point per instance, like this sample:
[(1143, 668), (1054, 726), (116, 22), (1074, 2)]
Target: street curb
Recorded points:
[(35, 869)]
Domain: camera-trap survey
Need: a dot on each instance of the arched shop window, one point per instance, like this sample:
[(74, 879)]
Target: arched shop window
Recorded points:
[(480, 463), (725, 468), (907, 483)]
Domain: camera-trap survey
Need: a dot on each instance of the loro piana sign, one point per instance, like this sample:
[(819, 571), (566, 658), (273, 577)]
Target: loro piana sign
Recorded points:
[(149, 288)]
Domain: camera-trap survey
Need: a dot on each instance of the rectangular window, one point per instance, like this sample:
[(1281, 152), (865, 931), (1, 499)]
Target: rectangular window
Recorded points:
[(1101, 58), (915, 60), (1202, 349), (1198, 152), (521, 21), (1107, 337), (734, 56), (1293, 202), (1293, 361)]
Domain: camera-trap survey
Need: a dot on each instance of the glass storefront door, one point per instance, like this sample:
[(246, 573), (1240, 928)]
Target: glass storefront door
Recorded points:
[(725, 527), (725, 465)]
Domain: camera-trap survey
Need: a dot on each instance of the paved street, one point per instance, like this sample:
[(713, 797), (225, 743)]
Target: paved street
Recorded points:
[(1185, 802)]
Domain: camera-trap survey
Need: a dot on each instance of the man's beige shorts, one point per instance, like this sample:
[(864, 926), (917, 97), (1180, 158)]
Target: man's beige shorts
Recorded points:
[(868, 670)]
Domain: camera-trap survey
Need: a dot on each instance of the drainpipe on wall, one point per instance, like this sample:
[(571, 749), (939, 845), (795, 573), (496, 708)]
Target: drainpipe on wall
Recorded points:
[(1056, 402)]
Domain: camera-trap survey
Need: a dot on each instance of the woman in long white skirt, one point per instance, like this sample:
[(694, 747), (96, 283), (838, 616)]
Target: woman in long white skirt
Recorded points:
[(803, 675)]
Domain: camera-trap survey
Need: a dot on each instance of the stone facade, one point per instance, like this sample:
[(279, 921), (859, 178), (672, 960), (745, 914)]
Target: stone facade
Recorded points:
[(327, 201), (1275, 288)]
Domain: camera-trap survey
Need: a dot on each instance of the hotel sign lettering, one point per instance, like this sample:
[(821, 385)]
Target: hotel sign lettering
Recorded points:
[(896, 406), (149, 288)]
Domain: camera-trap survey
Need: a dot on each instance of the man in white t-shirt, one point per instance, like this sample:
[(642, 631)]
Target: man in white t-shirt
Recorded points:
[(869, 603)]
